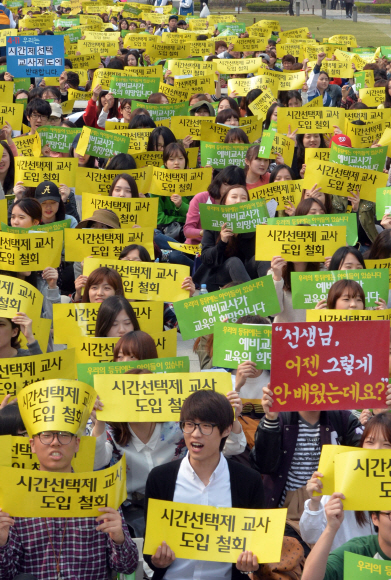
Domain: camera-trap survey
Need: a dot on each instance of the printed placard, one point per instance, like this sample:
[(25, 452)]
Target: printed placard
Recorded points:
[(32, 171), (159, 112), (219, 155), (182, 126), (146, 280), (101, 143), (178, 364), (370, 158), (35, 57), (310, 287), (240, 217), (197, 316), (134, 87), (347, 219), (59, 139), (331, 365), (28, 146), (372, 97), (80, 244), (145, 71), (326, 466), (383, 202), (325, 315), (17, 373), (187, 182), (24, 493), (56, 405), (30, 252), (135, 211), (298, 243), (386, 263), (260, 531), (361, 138), (191, 67), (281, 191), (150, 398), (339, 179), (310, 120), (261, 104), (173, 94), (17, 295), (237, 343), (11, 113), (363, 568), (99, 181)]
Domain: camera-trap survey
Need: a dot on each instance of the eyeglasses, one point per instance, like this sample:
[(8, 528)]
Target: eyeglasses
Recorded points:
[(386, 514), (189, 427), (127, 109), (63, 437), (39, 117)]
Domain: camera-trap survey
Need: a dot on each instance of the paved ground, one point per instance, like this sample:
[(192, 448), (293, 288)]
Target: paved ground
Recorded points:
[(185, 348)]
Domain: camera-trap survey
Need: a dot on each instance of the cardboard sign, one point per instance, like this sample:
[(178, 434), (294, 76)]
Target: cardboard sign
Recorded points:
[(343, 219), (240, 217), (237, 343), (310, 120), (134, 211), (197, 316), (329, 366), (260, 531), (27, 494), (146, 280), (35, 57), (187, 182), (30, 252), (16, 295), (310, 287), (298, 243)]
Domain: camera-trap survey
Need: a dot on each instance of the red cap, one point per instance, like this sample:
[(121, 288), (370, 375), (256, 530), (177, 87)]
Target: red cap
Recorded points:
[(342, 140)]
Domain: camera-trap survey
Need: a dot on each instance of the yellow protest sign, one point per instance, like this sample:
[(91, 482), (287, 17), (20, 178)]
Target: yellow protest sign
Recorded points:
[(99, 181), (41, 332), (80, 243), (16, 295), (56, 405), (324, 315), (372, 97), (215, 133), (137, 211), (260, 106), (155, 158), (174, 95), (3, 211), (283, 146), (364, 135), (17, 373), (326, 466), (138, 138), (298, 243), (338, 69), (153, 398), (140, 42), (347, 39), (25, 493), (75, 95), (291, 81), (282, 191), (198, 84), (100, 47), (80, 319), (28, 146), (294, 33), (89, 349), (146, 280), (260, 531), (164, 50), (232, 66), (376, 264), (94, 35), (32, 171), (144, 71), (188, 182), (3, 37), (339, 179), (30, 252), (187, 248), (182, 126), (191, 67), (244, 86), (15, 451), (315, 153), (310, 120), (316, 102), (11, 113), (362, 477), (200, 47), (6, 92)]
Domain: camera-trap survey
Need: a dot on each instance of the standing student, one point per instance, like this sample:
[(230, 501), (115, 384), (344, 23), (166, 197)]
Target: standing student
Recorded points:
[(204, 477)]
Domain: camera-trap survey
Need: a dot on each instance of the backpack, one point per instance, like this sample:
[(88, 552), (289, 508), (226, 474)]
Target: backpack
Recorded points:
[(5, 21)]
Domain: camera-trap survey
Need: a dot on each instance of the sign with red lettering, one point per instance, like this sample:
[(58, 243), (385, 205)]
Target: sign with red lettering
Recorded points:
[(329, 365)]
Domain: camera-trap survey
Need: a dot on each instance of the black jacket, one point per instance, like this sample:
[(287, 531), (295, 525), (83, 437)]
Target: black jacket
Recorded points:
[(246, 492), (274, 448)]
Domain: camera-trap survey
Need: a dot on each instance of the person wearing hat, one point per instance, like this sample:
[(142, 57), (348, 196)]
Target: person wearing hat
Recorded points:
[(101, 219), (55, 118), (172, 25), (202, 109), (53, 208)]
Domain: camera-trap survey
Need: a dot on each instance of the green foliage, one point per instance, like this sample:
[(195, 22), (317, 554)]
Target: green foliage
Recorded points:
[(373, 8)]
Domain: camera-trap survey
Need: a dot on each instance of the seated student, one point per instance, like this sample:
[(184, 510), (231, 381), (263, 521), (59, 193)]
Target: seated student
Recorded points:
[(82, 548), (116, 317), (9, 333), (204, 476), (256, 168), (347, 295), (99, 285), (38, 113)]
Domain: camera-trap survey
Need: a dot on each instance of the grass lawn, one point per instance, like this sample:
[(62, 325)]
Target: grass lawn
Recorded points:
[(367, 34)]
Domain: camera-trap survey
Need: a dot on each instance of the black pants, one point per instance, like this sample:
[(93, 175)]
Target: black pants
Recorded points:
[(349, 9), (25, 577)]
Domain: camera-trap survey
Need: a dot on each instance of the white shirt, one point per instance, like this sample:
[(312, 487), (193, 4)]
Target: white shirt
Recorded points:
[(190, 489)]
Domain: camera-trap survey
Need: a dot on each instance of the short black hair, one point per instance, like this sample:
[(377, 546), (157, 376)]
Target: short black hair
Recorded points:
[(339, 257), (73, 79), (11, 422), (38, 106)]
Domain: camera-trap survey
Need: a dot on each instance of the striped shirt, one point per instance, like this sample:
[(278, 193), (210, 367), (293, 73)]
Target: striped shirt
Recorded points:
[(305, 459)]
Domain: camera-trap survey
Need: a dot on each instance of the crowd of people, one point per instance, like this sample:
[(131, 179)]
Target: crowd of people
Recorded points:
[(229, 451)]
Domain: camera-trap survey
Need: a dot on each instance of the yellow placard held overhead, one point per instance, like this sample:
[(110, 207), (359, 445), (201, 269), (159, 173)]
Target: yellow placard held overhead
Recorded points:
[(310, 120), (325, 315), (81, 243), (298, 243), (56, 405), (282, 191), (339, 179), (153, 397), (135, 211), (232, 66), (28, 146), (183, 126), (372, 97), (30, 252), (11, 113), (191, 67), (25, 493), (363, 477), (16, 295), (167, 182), (337, 69), (204, 532), (33, 171), (364, 135), (326, 466), (146, 280), (260, 106), (98, 181), (173, 94)]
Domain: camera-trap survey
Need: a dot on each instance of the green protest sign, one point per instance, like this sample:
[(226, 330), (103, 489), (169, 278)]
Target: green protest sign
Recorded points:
[(67, 22), (22, 102), (266, 145), (383, 202), (134, 87), (74, 34), (59, 139), (363, 568), (347, 219), (237, 343), (367, 158), (54, 227), (21, 83), (239, 217), (310, 287), (197, 316), (14, 4), (385, 263), (359, 78), (86, 371), (363, 50), (161, 112), (3, 69), (132, 10), (219, 155), (101, 143), (385, 51), (234, 27)]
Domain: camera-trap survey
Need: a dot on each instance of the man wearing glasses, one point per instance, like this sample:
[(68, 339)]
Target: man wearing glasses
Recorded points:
[(64, 548), (38, 112), (204, 477)]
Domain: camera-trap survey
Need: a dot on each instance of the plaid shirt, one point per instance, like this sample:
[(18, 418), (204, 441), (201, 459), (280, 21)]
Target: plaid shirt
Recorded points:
[(86, 553)]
